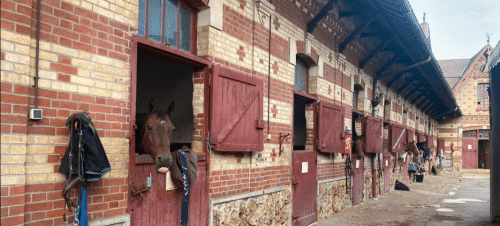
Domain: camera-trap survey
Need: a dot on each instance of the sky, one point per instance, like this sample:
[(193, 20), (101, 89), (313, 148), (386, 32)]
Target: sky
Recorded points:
[(458, 27)]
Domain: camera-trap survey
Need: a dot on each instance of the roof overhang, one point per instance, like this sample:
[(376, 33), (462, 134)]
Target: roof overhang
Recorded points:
[(493, 58), (400, 28)]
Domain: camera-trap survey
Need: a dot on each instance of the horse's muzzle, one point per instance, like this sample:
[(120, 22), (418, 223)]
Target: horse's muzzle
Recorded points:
[(163, 162)]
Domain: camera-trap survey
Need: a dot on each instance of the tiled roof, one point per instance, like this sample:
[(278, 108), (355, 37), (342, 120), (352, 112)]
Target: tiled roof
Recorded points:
[(452, 69)]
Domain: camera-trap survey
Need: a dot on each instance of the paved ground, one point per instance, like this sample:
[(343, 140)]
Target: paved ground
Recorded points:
[(452, 198)]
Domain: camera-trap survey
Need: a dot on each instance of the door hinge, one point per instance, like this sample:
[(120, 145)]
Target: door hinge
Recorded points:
[(210, 75)]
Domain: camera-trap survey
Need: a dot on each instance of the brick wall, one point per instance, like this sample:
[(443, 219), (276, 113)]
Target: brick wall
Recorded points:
[(84, 66), (85, 60), (473, 117)]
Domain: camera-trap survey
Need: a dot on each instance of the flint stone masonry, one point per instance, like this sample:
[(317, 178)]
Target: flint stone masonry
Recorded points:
[(266, 207), (332, 197)]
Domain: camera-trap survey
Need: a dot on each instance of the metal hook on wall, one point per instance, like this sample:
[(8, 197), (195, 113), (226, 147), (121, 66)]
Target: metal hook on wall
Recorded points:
[(282, 139)]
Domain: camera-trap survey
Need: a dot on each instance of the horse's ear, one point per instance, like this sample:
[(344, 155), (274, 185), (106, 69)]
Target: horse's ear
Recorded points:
[(170, 108), (151, 105)]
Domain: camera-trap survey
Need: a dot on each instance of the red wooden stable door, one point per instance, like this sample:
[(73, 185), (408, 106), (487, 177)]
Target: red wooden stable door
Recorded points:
[(374, 130), (331, 128), (358, 180), (304, 186), (469, 153), (162, 207), (237, 116), (397, 138), (304, 168), (387, 173)]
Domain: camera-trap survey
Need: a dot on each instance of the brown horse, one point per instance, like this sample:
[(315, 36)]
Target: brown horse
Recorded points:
[(412, 146), (358, 145), (156, 136)]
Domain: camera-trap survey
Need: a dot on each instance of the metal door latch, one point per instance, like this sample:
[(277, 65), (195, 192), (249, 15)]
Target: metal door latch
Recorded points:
[(149, 184)]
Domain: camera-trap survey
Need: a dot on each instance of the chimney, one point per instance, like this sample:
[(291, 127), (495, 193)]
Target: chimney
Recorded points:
[(426, 30)]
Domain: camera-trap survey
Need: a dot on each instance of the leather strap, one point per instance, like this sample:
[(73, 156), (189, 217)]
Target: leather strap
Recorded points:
[(185, 192)]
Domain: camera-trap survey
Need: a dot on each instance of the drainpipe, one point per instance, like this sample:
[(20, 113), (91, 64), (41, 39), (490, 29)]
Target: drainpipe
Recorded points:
[(269, 79), (37, 57), (375, 102)]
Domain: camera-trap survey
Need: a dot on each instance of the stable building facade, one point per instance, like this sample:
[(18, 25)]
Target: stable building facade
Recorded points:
[(467, 138), (269, 94)]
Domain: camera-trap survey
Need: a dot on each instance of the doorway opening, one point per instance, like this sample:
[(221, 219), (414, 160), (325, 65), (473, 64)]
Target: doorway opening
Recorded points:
[(483, 154), (164, 82), (302, 127)]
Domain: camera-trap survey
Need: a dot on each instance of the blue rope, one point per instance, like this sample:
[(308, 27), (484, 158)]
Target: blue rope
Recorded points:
[(208, 146), (185, 192), (82, 217)]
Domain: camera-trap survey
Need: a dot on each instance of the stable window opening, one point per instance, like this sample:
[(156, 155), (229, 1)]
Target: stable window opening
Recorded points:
[(358, 89), (164, 81), (301, 75), (483, 99), (387, 110), (472, 134), (170, 22), (484, 133), (302, 117)]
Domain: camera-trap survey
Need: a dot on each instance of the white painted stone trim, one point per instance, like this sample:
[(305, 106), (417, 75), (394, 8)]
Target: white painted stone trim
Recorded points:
[(212, 15), (120, 219), (293, 50), (317, 70)]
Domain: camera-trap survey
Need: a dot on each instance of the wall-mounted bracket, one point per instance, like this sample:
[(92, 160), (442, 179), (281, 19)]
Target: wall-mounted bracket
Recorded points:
[(282, 139)]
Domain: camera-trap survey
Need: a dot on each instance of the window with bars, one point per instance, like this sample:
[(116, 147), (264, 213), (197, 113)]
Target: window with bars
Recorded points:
[(465, 134), (167, 21), (472, 134), (483, 99), (301, 76)]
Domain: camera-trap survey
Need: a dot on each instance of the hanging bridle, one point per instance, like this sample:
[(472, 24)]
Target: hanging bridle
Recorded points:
[(66, 192)]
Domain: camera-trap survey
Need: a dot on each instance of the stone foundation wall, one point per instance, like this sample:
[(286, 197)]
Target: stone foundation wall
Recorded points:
[(397, 174), (268, 207), (368, 186), (332, 198)]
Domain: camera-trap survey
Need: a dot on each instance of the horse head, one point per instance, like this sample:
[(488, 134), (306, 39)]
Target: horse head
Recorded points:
[(412, 146), (426, 152), (358, 145), (156, 136)]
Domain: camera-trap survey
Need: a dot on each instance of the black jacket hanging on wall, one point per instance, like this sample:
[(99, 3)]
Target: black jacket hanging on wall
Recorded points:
[(95, 161)]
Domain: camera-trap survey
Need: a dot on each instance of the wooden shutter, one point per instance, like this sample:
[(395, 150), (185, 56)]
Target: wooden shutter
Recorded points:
[(420, 137), (396, 131), (410, 135), (430, 142), (237, 106), (374, 130), (330, 128), (441, 145)]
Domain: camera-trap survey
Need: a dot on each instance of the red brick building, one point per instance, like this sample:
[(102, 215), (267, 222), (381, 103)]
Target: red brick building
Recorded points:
[(468, 134), (267, 94)]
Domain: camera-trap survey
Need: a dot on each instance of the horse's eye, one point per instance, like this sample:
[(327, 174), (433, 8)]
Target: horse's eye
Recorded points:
[(150, 127)]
